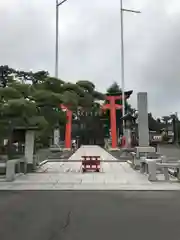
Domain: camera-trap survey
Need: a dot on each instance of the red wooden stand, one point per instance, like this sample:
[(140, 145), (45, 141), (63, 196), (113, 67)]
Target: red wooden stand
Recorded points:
[(90, 163)]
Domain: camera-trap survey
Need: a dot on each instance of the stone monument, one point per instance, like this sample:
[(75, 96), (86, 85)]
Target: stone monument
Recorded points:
[(143, 150), (143, 126)]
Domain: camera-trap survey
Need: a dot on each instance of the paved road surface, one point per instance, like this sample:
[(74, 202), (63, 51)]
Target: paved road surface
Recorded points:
[(170, 150), (80, 215)]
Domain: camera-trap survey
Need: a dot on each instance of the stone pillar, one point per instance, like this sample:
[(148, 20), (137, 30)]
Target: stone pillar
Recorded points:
[(56, 136), (113, 124), (127, 134), (29, 147), (68, 132), (143, 126)]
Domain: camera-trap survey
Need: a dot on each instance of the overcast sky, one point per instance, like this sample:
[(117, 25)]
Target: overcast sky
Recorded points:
[(90, 44)]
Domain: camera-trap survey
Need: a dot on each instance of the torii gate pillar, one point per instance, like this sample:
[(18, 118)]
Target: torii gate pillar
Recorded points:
[(68, 127)]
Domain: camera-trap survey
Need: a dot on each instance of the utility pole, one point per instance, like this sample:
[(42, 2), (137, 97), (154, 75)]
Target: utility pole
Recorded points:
[(176, 128), (58, 4), (122, 10)]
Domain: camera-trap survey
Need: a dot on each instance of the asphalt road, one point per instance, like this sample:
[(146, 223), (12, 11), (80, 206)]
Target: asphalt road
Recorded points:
[(80, 215)]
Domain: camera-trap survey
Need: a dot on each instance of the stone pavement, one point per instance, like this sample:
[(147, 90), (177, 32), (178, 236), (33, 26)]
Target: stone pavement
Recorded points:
[(68, 176), (169, 150)]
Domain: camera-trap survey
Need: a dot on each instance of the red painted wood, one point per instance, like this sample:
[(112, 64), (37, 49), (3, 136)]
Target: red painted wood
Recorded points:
[(68, 127), (90, 163), (112, 106)]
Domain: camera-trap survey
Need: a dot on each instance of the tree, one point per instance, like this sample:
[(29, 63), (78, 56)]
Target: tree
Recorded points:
[(33, 99), (154, 125)]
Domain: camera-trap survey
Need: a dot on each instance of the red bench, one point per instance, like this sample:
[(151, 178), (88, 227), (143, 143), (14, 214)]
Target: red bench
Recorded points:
[(90, 163)]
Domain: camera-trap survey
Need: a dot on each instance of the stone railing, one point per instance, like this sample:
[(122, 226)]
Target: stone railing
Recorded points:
[(10, 168), (148, 152), (163, 164)]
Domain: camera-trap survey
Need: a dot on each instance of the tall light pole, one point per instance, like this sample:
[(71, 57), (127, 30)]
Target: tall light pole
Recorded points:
[(58, 4), (122, 10), (176, 128)]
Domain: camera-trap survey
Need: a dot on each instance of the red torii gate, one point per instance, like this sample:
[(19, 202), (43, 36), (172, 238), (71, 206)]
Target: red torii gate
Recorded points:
[(112, 106)]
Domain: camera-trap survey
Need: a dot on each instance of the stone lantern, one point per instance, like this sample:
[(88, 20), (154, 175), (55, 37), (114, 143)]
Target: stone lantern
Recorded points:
[(26, 135), (130, 121)]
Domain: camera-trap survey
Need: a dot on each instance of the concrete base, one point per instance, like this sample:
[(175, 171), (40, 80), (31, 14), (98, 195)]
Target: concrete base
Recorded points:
[(114, 149), (66, 149), (127, 149), (134, 166), (144, 149), (26, 168), (2, 171)]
